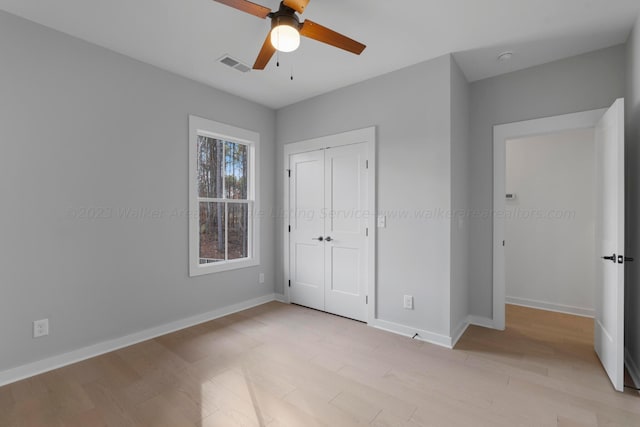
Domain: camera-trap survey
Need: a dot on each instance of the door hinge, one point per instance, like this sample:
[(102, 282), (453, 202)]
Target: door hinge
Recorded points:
[(503, 243), (289, 172), (366, 164), (366, 231), (289, 283), (366, 299), (289, 229)]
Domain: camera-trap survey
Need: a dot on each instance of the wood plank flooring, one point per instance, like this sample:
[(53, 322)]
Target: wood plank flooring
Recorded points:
[(282, 365)]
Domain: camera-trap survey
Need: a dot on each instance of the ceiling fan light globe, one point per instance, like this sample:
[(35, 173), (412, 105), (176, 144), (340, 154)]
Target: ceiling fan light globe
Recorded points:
[(285, 38)]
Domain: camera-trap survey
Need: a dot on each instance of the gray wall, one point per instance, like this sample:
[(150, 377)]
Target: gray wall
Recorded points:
[(83, 127), (632, 270), (581, 83), (459, 198), (411, 110)]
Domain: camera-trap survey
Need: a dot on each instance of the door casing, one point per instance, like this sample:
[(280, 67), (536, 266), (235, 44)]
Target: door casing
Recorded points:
[(368, 137)]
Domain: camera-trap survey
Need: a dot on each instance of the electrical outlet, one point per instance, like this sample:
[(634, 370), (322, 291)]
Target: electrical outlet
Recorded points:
[(40, 328), (261, 278), (408, 302)]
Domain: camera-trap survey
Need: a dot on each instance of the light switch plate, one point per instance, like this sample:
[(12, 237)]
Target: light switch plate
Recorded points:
[(382, 221)]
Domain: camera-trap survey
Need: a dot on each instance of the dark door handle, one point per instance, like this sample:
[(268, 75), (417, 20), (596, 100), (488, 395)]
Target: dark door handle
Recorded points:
[(329, 239), (319, 238), (628, 259), (610, 258)]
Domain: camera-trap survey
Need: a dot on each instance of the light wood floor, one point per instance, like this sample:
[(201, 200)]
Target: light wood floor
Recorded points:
[(285, 365)]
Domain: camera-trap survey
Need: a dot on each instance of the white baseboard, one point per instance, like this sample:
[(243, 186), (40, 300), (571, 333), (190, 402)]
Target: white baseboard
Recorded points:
[(634, 372), (280, 298), (460, 330), (484, 322), (407, 331), (58, 361), (549, 306)]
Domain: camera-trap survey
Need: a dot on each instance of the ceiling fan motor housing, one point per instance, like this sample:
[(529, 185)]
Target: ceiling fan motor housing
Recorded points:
[(285, 16)]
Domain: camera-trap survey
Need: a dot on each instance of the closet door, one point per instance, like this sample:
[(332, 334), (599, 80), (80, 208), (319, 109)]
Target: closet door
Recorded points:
[(345, 224), (306, 237)]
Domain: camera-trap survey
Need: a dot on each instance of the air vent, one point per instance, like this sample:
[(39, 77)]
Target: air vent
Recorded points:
[(229, 61), (234, 63), (242, 67)]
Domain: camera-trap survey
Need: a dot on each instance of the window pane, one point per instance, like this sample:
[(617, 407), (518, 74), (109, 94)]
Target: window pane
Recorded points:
[(210, 161), (238, 230), (236, 170), (212, 231)]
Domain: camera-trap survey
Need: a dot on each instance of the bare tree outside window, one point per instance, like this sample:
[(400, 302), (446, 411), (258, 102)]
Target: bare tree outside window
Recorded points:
[(223, 200)]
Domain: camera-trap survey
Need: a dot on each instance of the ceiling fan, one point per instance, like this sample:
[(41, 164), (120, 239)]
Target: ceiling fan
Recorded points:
[(286, 29)]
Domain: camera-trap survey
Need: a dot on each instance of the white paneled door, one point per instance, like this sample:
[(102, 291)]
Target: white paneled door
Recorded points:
[(609, 318), (329, 217), (307, 229)]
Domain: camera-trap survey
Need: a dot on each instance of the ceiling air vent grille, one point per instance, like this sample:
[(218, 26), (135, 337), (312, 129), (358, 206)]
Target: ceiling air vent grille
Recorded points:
[(234, 63)]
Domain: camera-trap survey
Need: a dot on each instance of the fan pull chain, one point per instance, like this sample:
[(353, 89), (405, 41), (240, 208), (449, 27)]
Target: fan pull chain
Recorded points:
[(277, 51), (292, 72)]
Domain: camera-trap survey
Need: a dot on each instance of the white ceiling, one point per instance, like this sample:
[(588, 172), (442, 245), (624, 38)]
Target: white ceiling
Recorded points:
[(188, 36)]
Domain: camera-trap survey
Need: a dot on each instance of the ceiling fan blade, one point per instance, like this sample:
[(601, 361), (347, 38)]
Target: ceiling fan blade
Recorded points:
[(248, 7), (265, 54), (325, 35), (297, 5)]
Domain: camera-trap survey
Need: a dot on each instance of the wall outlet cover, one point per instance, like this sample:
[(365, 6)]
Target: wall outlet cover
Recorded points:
[(408, 302), (40, 328)]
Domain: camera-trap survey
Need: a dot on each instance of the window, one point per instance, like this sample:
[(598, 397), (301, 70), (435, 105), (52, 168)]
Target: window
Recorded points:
[(222, 199)]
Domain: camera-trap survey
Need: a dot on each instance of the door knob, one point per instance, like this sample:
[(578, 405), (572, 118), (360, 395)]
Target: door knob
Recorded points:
[(623, 259), (610, 258), (328, 239), (319, 238)]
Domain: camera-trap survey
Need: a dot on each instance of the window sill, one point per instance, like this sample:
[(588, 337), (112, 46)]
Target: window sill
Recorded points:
[(202, 269)]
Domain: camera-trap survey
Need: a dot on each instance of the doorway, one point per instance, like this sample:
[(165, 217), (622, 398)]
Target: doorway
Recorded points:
[(329, 224), (550, 221), (503, 133), (608, 259)]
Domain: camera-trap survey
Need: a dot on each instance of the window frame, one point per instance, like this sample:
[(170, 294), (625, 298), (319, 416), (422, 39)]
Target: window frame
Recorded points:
[(199, 126)]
